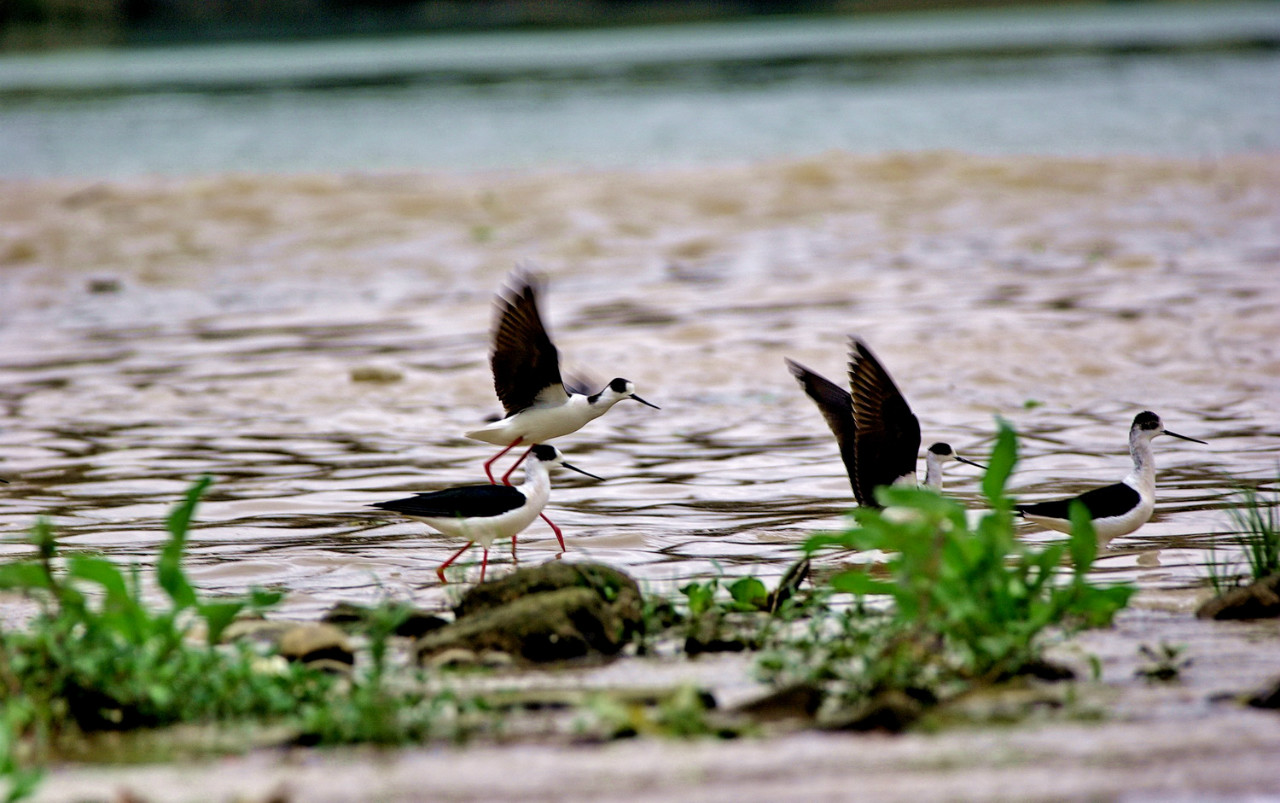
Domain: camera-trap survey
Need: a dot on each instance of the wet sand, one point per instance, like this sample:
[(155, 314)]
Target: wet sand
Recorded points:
[(155, 329)]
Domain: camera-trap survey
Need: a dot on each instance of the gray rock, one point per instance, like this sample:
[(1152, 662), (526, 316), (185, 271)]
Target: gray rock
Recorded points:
[(553, 612), (555, 625), (1260, 600)]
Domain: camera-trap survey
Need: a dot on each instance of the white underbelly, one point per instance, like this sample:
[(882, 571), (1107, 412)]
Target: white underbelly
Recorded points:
[(535, 425), (485, 531), (1105, 528)]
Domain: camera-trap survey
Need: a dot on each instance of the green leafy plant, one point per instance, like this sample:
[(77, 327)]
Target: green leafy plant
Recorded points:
[(100, 656), (374, 712), (745, 594), (97, 656), (18, 781), (382, 706), (967, 603), (1164, 664)]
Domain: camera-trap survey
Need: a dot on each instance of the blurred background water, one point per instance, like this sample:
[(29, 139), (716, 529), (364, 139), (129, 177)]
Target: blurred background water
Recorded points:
[(1165, 79)]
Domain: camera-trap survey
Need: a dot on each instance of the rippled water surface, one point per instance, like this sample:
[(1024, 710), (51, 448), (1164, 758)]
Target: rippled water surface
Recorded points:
[(156, 330)]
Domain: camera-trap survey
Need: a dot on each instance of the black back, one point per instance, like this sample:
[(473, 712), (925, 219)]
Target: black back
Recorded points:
[(524, 360), (888, 433), (1109, 500), (464, 501), (836, 406)]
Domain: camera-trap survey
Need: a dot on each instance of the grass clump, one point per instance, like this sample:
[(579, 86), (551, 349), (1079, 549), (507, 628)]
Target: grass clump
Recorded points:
[(1256, 524), (955, 605), (98, 657), (388, 705)]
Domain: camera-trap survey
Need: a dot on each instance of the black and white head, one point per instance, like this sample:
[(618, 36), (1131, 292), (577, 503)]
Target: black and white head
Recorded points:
[(1147, 424), (550, 456), (616, 391), (942, 452)]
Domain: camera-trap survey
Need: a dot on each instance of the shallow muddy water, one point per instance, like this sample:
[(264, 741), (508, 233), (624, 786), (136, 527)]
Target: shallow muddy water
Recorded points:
[(155, 330)]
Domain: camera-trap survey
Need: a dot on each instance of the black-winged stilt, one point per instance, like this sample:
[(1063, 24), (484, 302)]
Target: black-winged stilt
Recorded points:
[(487, 512), (526, 376), (878, 435), (1115, 509)]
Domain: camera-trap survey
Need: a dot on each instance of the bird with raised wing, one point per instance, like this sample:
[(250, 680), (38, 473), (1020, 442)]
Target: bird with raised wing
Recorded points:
[(878, 435), (526, 376)]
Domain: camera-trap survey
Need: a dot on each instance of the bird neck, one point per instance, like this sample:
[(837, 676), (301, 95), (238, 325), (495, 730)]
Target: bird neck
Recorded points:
[(932, 471), (593, 406), (537, 482), (1143, 475)]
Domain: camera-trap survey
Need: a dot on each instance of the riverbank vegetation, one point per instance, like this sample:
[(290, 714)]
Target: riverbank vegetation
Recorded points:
[(953, 607)]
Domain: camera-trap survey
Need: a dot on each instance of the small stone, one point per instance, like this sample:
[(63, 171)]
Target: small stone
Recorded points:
[(891, 711), (376, 373), (316, 642), (1259, 600), (496, 659), (452, 658), (797, 701), (331, 665), (263, 631), (707, 634), (104, 284), (354, 617), (1266, 698)]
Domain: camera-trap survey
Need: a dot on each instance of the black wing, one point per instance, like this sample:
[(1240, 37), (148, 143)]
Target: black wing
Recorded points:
[(888, 434), (524, 360), (1109, 500), (836, 406), (466, 501)]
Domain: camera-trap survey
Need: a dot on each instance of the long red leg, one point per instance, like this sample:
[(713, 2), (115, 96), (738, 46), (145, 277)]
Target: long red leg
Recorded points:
[(506, 478), (445, 565), (554, 529), (484, 562), (513, 550), (488, 472)]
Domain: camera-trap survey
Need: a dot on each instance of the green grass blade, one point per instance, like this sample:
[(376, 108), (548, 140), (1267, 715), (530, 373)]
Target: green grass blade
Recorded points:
[(24, 577), (1084, 538), (169, 573), (1000, 466)]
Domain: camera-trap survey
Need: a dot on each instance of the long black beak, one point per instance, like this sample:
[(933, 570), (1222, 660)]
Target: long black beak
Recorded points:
[(970, 462), (580, 471), (642, 401), (1184, 437)]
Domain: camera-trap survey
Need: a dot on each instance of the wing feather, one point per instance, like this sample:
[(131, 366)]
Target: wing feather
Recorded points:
[(1109, 500), (466, 501), (836, 406), (526, 365), (888, 433)]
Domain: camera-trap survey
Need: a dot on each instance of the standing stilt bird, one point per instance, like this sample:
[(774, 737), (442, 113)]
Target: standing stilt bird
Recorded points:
[(484, 513), (526, 376), (1116, 509), (878, 435)]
